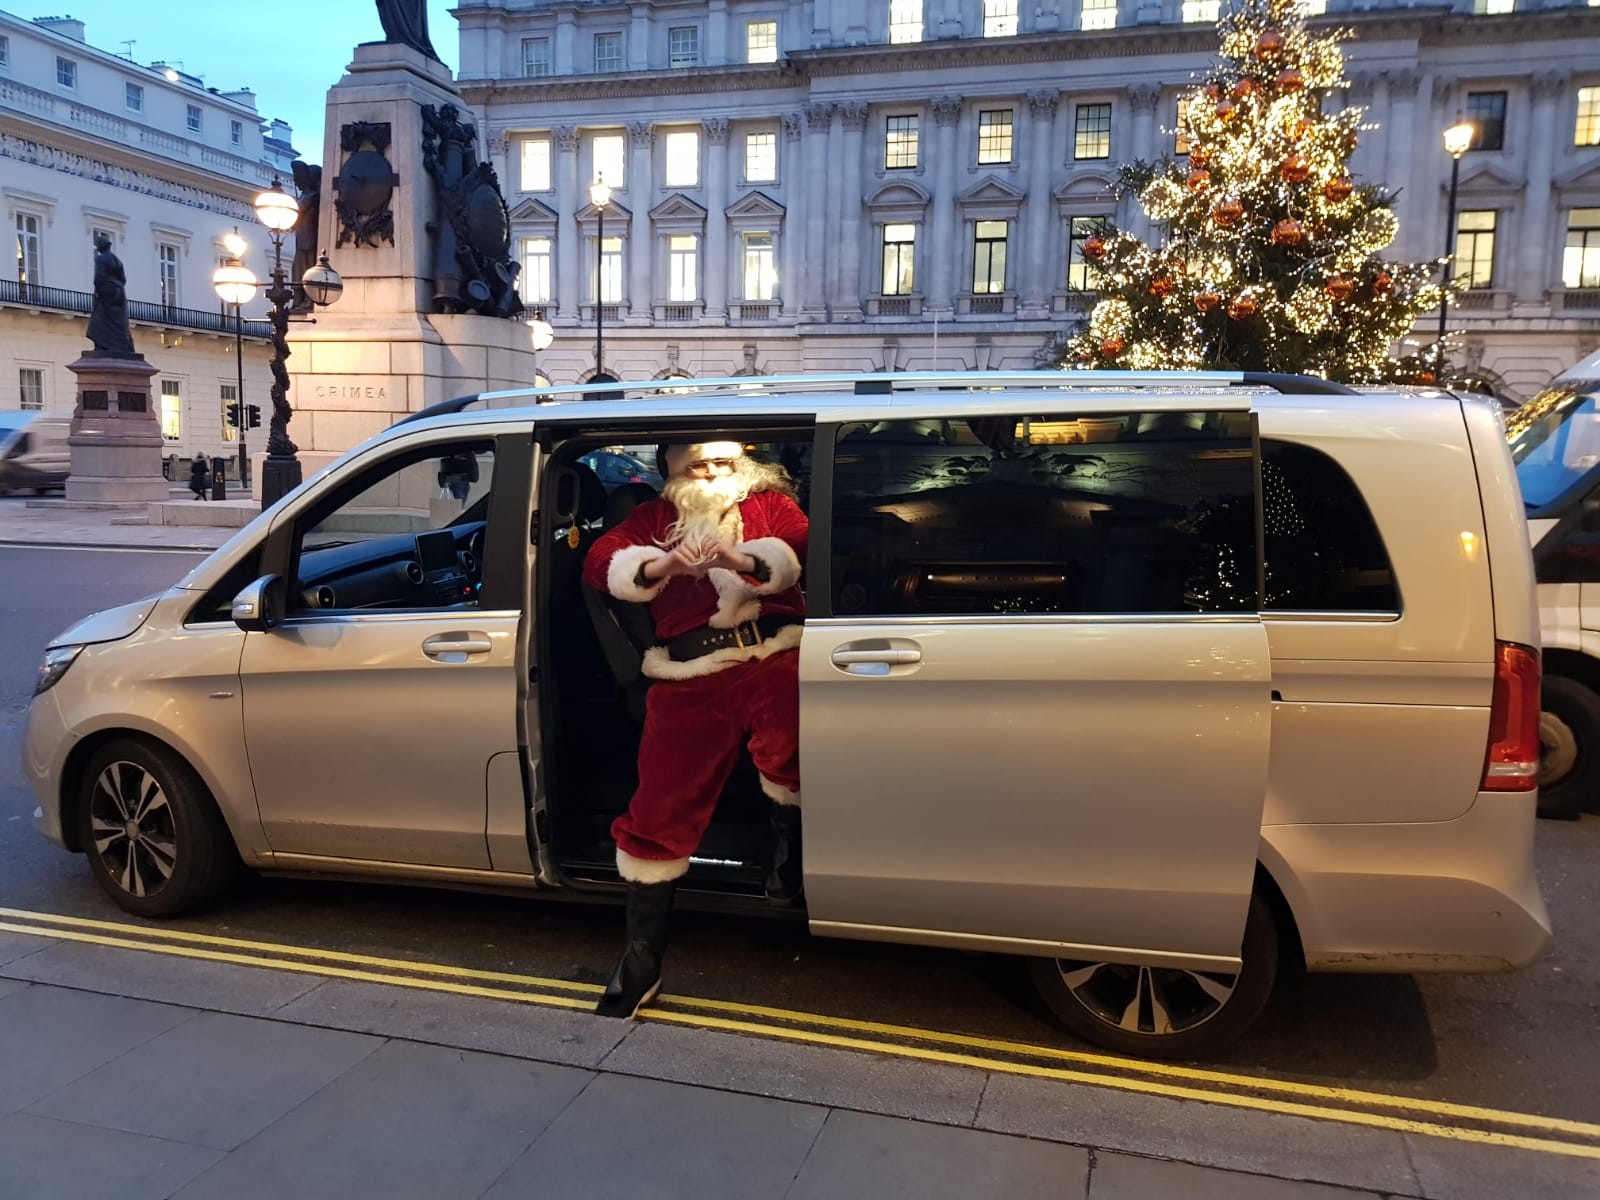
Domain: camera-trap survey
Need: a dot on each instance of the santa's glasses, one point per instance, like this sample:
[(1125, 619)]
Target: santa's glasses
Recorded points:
[(705, 468)]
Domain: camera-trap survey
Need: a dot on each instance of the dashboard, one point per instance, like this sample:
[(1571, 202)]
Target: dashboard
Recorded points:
[(441, 568)]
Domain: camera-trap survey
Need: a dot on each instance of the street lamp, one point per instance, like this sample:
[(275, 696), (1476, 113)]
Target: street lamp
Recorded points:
[(540, 335), (600, 196), (1457, 141), (236, 283)]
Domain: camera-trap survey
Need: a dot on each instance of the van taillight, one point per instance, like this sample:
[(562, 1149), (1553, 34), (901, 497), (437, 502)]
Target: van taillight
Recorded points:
[(1512, 764)]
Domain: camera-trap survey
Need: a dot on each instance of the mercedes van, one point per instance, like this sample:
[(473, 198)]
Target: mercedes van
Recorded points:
[(34, 455)]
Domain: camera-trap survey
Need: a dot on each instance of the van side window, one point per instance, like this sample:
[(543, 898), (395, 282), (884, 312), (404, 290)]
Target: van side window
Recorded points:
[(1061, 513), (1323, 550)]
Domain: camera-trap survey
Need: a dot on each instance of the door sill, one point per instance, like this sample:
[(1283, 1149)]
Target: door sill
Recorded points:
[(319, 864), (1221, 964)]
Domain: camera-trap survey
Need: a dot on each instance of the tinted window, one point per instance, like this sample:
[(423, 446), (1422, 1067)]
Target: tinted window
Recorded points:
[(1144, 513), (1323, 549)]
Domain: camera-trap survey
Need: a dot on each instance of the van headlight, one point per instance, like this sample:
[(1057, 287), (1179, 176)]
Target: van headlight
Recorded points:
[(56, 661)]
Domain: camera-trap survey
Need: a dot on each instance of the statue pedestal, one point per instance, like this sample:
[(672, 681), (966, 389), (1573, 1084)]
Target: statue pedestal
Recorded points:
[(115, 437)]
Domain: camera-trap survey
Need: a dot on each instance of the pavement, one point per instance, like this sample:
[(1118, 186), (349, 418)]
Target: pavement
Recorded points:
[(52, 521)]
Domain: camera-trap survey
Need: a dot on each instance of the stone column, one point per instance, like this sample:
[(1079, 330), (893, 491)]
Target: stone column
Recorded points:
[(641, 245), (639, 39), (565, 51), (718, 50), (716, 235), (791, 234), (1364, 93), (1143, 100), (819, 118), (1397, 173), (846, 298), (1533, 277), (939, 253), (569, 244), (1032, 274)]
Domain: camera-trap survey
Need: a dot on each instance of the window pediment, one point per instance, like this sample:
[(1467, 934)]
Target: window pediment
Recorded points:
[(993, 190), (680, 209), (1584, 179), (1087, 185), (614, 212), (535, 211), (899, 194), (757, 205)]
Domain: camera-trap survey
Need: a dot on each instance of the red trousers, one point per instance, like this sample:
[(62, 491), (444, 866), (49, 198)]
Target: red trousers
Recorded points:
[(692, 732)]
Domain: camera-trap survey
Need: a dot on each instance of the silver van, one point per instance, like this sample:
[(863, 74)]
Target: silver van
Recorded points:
[(1159, 680), (34, 455)]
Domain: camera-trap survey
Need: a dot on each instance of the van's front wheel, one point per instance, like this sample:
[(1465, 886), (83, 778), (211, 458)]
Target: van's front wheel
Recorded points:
[(1164, 1012)]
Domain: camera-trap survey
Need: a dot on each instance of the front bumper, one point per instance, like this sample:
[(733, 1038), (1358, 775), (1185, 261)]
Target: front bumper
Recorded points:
[(46, 743)]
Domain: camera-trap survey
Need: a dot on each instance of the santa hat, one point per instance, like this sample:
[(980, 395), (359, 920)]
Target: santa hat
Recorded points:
[(670, 457)]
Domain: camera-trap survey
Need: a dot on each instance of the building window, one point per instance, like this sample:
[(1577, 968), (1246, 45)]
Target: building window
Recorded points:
[(760, 157), (1474, 265), (610, 271), (167, 263), (1587, 132), (1201, 10), (171, 410), (1580, 259), (66, 72), (133, 97), (1312, 8), (683, 46), (1091, 136), (999, 18), (535, 57), (608, 52), (760, 267), (900, 142), (682, 272), (899, 254), (988, 257), (994, 136), (236, 132), (30, 381), (229, 395), (905, 20), (683, 158), (5, 51), (96, 234), (1098, 14), (1487, 110), (1494, 8), (1180, 134), (609, 152), (536, 164), (193, 118), (534, 284), (761, 41), (28, 249), (1078, 269)]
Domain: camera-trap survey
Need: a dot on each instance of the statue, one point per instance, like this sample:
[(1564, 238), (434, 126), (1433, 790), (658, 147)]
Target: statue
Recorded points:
[(406, 22), (308, 188), (472, 269), (108, 313)]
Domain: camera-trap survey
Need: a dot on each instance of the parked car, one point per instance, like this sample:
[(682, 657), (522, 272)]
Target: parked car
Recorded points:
[(1158, 680), (34, 455), (615, 468)]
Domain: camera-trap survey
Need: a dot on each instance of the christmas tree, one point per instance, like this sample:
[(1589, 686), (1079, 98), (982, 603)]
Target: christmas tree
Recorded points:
[(1270, 258)]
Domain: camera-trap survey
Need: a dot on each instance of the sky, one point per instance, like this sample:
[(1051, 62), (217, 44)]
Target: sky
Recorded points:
[(289, 61)]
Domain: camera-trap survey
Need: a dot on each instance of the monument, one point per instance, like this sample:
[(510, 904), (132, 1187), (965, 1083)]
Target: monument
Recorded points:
[(415, 222), (115, 438)]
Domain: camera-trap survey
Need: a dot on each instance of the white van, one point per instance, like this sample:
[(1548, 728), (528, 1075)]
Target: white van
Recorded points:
[(34, 454)]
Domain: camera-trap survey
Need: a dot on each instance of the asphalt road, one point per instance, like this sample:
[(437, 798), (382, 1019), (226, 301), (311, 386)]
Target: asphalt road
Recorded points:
[(1525, 1041)]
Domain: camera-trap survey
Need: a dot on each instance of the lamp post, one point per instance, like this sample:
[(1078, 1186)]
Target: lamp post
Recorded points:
[(540, 335), (600, 196), (235, 283), (1457, 141)]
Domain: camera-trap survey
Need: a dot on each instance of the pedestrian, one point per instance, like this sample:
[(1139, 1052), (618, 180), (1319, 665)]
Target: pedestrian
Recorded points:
[(199, 475)]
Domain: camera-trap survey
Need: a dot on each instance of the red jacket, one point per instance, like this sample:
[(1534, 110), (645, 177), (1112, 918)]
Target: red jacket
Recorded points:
[(773, 531)]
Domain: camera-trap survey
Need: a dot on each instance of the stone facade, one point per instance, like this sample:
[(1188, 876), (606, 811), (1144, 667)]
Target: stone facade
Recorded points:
[(798, 228)]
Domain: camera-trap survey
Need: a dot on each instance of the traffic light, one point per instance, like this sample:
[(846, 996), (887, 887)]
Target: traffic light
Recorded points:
[(235, 414), (254, 411)]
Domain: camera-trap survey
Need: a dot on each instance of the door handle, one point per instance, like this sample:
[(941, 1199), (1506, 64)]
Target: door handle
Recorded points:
[(454, 647), (875, 660)]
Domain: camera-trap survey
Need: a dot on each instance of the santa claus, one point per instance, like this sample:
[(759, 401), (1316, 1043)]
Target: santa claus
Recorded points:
[(718, 559)]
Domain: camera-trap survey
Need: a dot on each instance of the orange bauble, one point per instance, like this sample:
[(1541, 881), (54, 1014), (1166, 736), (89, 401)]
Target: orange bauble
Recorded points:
[(1338, 190), (1161, 287), (1094, 248), (1288, 233), (1340, 288), (1295, 169), (1426, 377), (1242, 308), (1382, 283), (1207, 301), (1290, 80), (1226, 109), (1228, 212), (1112, 346), (1199, 179), (1245, 87), (1198, 156), (1213, 91), (1269, 43)]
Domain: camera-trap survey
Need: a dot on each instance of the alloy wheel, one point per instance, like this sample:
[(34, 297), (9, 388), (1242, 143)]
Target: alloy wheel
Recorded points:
[(132, 825), (1157, 1001), (1558, 749)]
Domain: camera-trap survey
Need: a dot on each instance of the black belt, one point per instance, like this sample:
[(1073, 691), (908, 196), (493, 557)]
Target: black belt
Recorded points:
[(705, 640)]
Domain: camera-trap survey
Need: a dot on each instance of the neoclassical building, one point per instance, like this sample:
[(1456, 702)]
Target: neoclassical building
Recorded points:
[(906, 184)]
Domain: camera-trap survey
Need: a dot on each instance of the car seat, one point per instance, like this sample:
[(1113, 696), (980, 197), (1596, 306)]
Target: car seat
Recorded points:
[(624, 629)]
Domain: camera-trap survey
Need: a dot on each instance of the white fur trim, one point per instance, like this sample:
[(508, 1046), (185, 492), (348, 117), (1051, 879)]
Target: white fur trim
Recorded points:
[(779, 794), (781, 560), (623, 570), (736, 600), (658, 665), (649, 870)]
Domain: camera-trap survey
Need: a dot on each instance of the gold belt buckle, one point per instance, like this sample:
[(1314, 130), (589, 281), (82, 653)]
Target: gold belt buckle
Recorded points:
[(738, 636)]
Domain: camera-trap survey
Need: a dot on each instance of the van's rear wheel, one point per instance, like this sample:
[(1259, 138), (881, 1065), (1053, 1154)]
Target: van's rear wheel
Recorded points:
[(1164, 1012), (1569, 748)]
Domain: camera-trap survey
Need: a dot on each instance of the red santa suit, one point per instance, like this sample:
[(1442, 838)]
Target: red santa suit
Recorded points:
[(703, 705)]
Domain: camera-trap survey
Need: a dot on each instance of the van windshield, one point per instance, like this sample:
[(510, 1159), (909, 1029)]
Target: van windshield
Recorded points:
[(1555, 439)]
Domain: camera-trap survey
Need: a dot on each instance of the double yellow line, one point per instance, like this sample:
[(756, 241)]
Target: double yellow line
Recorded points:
[(1402, 1114)]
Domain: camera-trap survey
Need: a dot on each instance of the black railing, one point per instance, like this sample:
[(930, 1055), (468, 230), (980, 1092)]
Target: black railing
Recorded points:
[(62, 300)]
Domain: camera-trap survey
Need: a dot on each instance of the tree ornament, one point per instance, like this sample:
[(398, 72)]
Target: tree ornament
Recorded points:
[(1290, 80), (1297, 128), (1380, 227), (1338, 190), (1161, 287), (1295, 169), (1207, 300), (1094, 247), (1245, 88), (1288, 233), (1427, 378), (1199, 179), (1269, 44), (1243, 306), (1340, 288), (1382, 283), (1199, 156), (1228, 212), (1162, 199), (1226, 109), (1213, 91), (1112, 346), (1111, 318)]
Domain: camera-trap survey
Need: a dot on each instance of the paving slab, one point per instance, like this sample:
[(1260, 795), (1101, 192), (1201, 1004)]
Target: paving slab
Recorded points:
[(627, 1138), (216, 987), (1215, 1135), (860, 1154), (41, 1159), (19, 945), (799, 1071), (7, 986), (409, 1120), (1457, 1171), (574, 1039), (213, 1081), (51, 1036), (1129, 1177)]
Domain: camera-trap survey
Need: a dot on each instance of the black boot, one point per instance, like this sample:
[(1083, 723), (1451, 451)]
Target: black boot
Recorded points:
[(637, 978), (785, 877)]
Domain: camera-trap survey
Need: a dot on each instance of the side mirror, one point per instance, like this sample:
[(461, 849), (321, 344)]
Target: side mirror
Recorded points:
[(1590, 521), (259, 607)]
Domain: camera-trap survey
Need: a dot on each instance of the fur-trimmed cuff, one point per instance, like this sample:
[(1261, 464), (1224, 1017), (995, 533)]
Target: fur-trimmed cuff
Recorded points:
[(622, 574), (779, 794), (649, 870), (782, 563)]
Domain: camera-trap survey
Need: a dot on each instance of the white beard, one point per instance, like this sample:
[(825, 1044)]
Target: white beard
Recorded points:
[(708, 510)]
